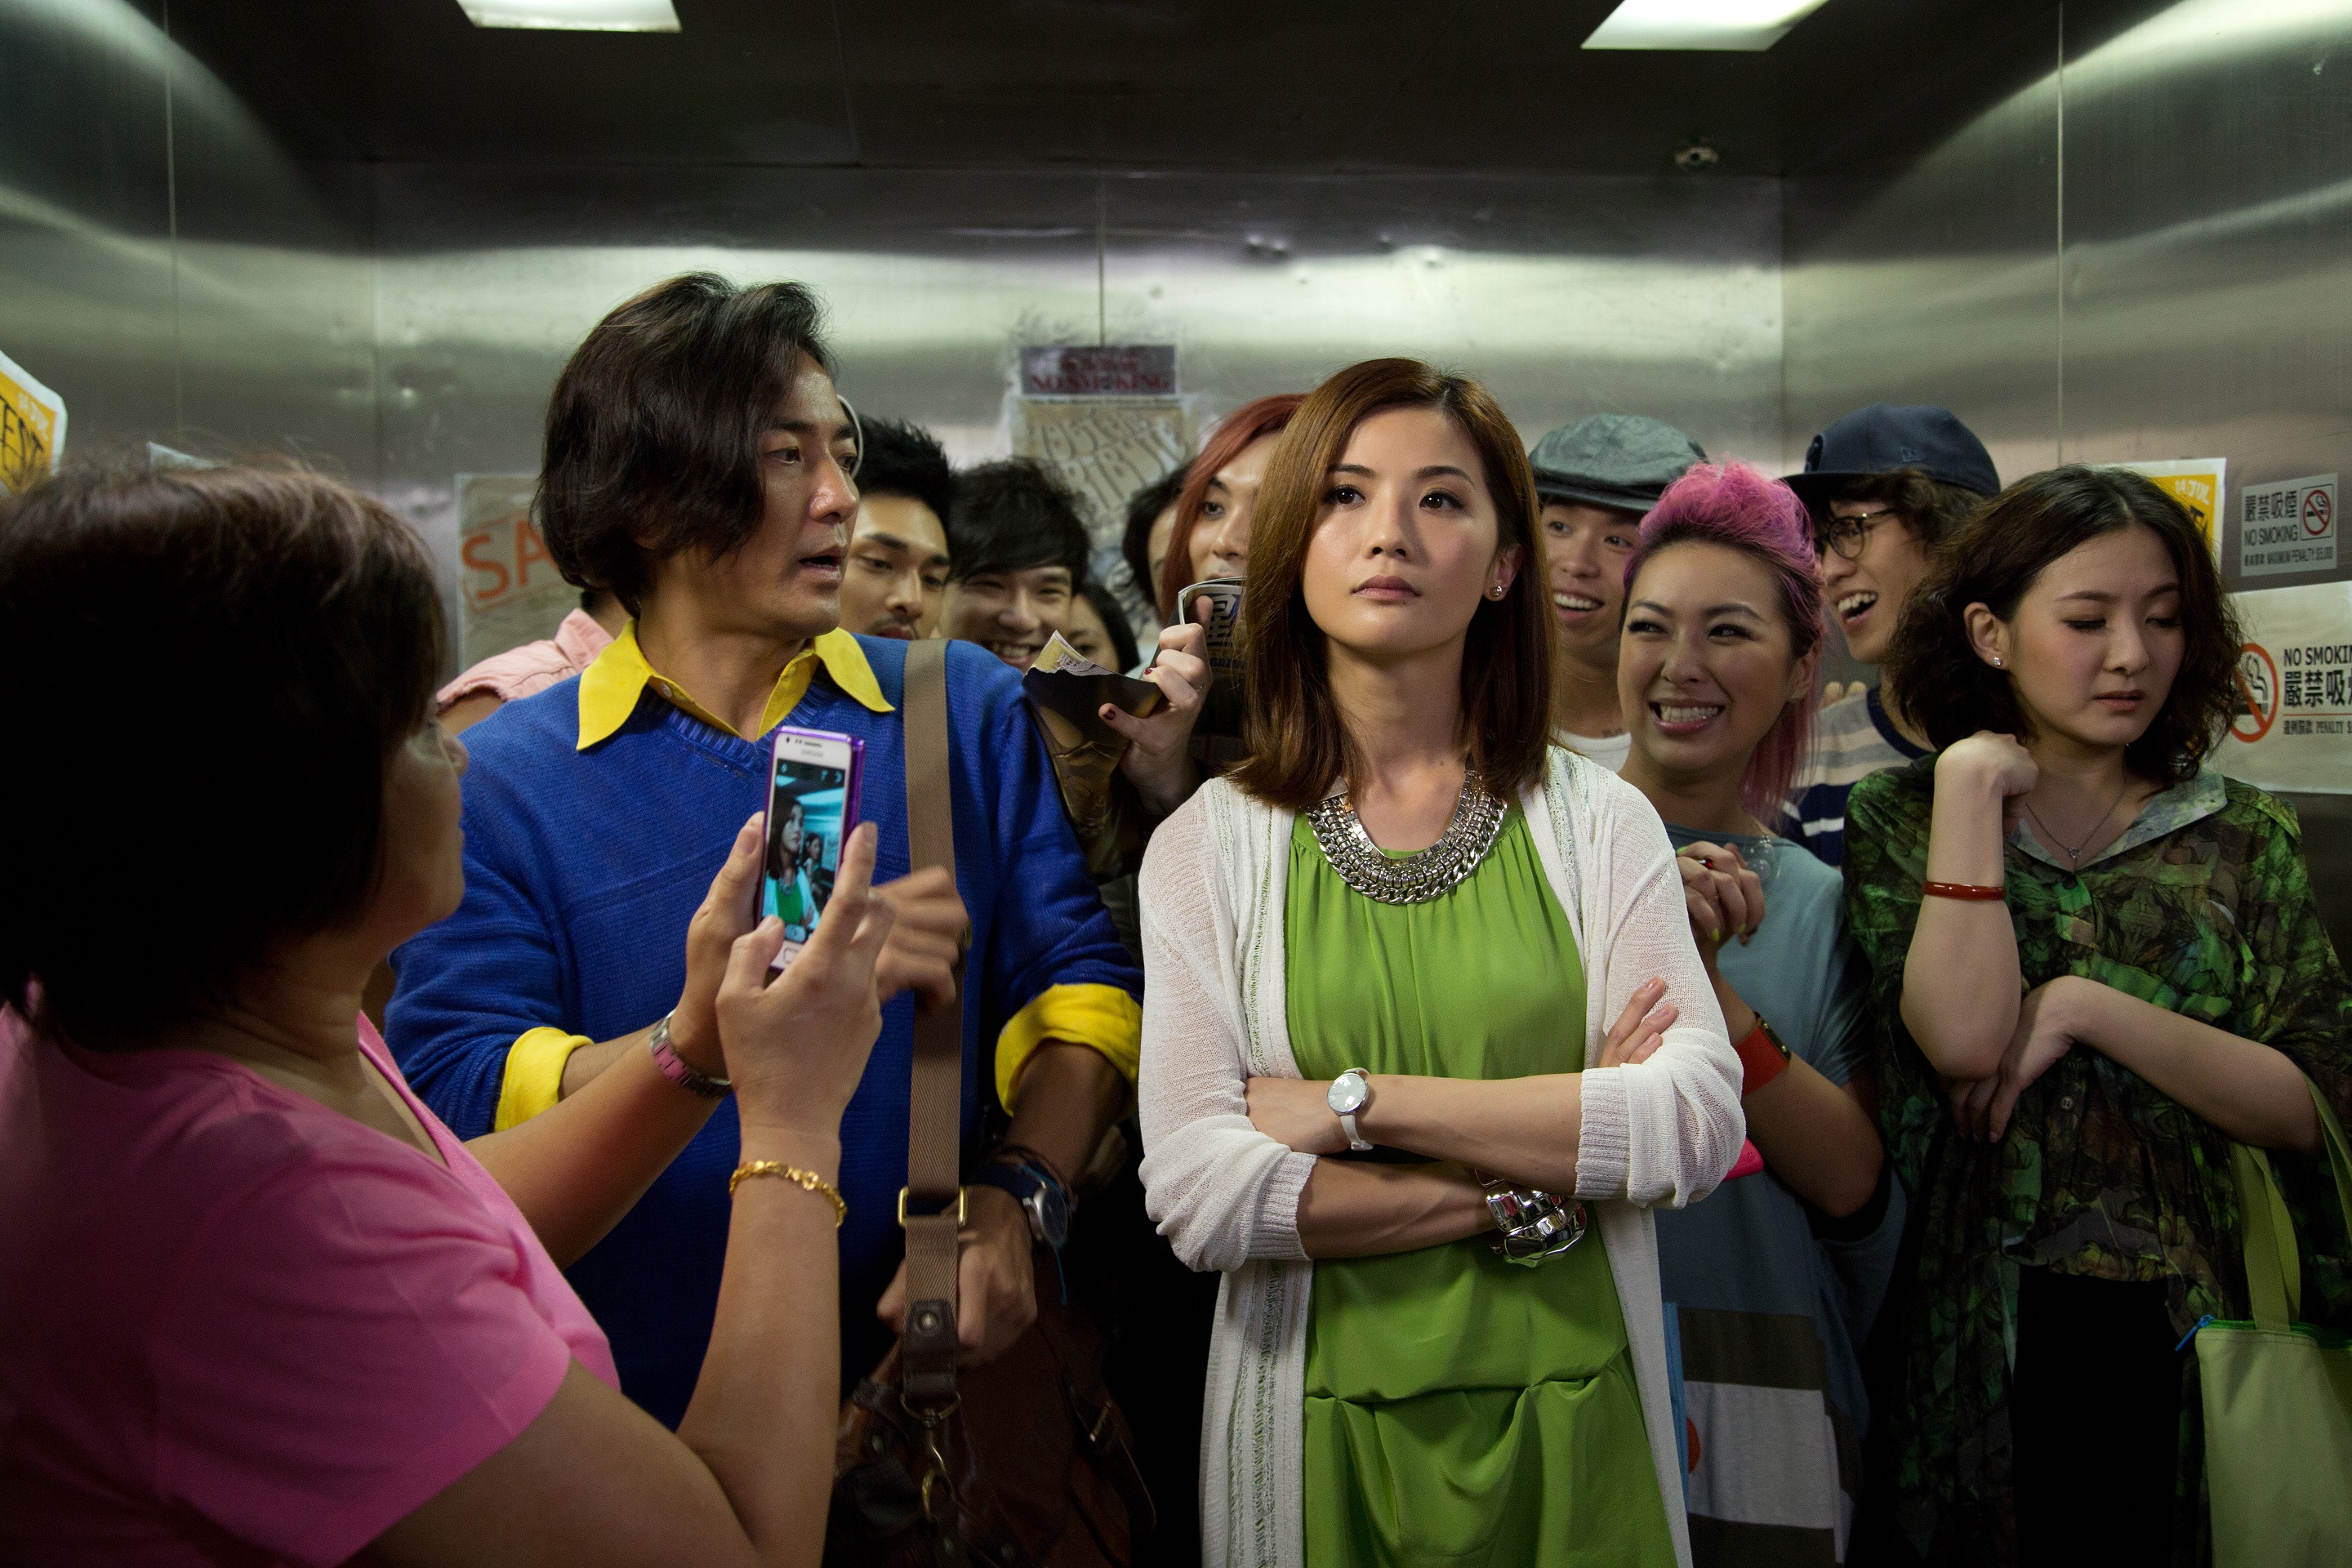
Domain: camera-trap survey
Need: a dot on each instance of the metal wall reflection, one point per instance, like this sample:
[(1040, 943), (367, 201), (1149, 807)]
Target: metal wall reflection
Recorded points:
[(169, 271), (1567, 295)]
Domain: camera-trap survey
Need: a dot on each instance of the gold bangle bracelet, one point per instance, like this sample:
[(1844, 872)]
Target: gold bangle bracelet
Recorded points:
[(807, 1180)]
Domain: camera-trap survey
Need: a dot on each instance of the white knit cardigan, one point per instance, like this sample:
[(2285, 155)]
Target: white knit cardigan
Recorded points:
[(1226, 1196)]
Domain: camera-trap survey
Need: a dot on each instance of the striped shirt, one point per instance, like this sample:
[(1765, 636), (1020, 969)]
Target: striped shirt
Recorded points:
[(1852, 739)]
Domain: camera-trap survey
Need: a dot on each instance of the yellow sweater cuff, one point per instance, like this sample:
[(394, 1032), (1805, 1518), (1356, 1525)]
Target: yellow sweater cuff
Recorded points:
[(1101, 1017), (534, 1076)]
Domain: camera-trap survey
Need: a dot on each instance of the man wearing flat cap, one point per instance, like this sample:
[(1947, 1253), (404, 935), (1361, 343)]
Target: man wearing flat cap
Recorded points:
[(1886, 486), (1595, 478)]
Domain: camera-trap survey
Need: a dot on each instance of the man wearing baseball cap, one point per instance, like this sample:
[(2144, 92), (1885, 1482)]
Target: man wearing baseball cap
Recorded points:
[(1887, 487), (1595, 478)]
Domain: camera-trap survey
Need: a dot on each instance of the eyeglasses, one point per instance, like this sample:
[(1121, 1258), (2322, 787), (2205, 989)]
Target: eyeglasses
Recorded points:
[(1849, 535)]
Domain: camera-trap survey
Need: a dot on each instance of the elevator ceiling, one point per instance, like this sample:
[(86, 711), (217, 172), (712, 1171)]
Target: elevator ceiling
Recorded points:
[(1296, 86)]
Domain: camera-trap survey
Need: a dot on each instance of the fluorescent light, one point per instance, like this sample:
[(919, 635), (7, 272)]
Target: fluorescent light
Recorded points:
[(1748, 25), (575, 15)]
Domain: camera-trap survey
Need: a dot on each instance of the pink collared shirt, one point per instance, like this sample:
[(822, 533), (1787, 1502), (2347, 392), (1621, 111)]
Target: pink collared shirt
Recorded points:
[(241, 1328), (521, 672)]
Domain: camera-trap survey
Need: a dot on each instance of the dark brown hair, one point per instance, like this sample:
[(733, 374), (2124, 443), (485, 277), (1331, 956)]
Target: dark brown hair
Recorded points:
[(1932, 508), (653, 432), (1298, 746), (1250, 423), (1015, 515), (1932, 669), (276, 637), (1143, 509)]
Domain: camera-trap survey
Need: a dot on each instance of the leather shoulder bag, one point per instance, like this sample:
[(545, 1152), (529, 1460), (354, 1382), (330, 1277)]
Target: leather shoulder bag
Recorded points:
[(1025, 1462)]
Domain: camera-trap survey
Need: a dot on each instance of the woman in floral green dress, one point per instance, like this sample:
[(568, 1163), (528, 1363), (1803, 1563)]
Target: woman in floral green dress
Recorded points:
[(2098, 962)]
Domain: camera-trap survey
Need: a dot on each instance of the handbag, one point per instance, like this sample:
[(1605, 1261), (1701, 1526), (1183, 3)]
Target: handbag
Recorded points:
[(1025, 1462), (2278, 1392)]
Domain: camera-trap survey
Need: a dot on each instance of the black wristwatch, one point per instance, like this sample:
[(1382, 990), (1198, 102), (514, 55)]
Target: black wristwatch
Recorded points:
[(1041, 1197)]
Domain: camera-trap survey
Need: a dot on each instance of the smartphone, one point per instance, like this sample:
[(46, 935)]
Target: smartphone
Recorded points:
[(812, 784)]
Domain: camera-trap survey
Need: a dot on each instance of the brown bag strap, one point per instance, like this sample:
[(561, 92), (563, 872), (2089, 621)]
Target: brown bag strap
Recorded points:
[(935, 1114)]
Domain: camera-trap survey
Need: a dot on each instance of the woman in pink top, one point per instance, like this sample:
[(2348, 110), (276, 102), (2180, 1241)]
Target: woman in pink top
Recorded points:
[(261, 1307)]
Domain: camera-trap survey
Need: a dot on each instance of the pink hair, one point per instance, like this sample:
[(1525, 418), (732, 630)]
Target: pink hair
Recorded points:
[(1735, 506)]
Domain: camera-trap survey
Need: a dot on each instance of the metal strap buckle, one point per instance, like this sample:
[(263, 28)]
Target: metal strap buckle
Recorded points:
[(963, 1204)]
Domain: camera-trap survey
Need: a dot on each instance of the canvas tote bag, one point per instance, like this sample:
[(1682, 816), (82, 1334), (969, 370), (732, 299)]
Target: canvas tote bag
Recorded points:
[(2278, 1392)]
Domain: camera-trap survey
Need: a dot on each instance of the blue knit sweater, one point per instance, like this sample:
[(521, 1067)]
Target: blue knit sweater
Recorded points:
[(582, 870)]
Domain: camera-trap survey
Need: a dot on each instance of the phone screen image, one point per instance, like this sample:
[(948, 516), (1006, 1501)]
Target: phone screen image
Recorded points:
[(812, 807)]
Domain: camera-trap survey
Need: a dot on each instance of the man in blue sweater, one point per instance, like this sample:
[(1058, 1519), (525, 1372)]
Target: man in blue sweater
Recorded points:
[(698, 464)]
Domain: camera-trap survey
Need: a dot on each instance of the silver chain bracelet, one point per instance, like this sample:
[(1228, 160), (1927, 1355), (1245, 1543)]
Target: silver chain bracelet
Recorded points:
[(1535, 1224)]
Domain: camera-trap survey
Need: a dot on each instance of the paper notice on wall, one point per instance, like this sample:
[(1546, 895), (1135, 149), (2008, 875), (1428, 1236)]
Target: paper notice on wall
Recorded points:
[(1105, 449), (2293, 726), (1131, 370), (32, 427), (2196, 483), (2287, 526), (508, 591)]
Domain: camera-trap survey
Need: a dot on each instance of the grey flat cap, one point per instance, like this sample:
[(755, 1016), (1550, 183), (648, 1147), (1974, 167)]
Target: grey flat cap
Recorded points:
[(1623, 461)]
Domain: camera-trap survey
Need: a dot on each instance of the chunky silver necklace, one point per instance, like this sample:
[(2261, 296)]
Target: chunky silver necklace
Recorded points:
[(1413, 879)]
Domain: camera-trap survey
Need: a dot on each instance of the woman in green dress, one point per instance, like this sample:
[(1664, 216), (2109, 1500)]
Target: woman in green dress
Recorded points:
[(1409, 927), (2097, 963)]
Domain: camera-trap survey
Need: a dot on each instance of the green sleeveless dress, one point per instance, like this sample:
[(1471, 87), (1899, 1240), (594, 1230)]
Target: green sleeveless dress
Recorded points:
[(1460, 1409)]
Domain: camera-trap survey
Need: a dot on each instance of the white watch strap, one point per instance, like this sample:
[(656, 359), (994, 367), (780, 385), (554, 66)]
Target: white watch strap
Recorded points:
[(1355, 1140)]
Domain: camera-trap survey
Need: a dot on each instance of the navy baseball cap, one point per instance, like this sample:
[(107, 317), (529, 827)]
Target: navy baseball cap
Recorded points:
[(1882, 439), (1622, 460)]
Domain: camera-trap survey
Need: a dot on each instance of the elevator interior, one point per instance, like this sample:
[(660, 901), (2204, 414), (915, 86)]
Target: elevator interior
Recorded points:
[(369, 232)]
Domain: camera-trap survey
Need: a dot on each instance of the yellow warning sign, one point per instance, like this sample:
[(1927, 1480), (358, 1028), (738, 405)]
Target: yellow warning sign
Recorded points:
[(32, 427), (2197, 484)]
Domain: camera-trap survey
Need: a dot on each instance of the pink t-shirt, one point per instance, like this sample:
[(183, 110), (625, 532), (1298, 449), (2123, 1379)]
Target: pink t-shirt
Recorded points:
[(237, 1327)]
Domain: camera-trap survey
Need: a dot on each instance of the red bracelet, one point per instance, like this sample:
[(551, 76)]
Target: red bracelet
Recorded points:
[(1762, 1057), (1975, 892)]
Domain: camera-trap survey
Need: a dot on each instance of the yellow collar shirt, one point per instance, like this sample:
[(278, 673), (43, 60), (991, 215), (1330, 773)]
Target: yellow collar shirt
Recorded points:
[(609, 688)]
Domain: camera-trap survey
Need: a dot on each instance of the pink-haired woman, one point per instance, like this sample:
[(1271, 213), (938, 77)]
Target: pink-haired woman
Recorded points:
[(1772, 1279)]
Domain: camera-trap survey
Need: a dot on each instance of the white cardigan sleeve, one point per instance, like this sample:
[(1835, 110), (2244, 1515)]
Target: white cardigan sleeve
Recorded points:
[(1667, 1130), (1222, 1191)]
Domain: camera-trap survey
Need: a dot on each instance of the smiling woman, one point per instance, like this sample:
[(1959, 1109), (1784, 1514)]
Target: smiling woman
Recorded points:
[(1775, 1277), (1420, 927)]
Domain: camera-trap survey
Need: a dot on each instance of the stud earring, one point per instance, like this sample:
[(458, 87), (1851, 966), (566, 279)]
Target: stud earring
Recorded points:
[(1996, 663), (1500, 589)]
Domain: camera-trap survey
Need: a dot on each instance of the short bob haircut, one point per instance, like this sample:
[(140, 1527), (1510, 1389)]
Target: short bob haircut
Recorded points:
[(1298, 748), (1014, 515), (653, 433), (1934, 673), (1251, 422), (1739, 508), (279, 636)]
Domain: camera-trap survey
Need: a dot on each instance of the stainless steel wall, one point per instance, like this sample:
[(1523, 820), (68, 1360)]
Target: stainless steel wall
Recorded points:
[(1568, 295), (178, 275), (164, 266), (2116, 232)]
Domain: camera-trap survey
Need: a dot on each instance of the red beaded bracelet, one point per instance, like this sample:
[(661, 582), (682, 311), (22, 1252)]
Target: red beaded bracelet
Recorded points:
[(1974, 891)]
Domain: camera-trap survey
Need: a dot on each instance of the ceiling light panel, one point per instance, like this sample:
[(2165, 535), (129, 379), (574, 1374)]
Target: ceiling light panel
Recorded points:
[(1745, 24), (574, 16)]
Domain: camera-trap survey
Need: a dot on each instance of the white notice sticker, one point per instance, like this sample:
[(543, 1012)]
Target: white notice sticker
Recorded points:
[(2289, 526)]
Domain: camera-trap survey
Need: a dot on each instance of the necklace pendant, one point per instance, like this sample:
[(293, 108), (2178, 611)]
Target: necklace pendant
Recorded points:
[(1413, 879)]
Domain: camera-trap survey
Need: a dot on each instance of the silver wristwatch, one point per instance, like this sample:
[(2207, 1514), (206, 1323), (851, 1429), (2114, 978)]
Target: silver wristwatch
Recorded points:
[(1351, 1092), (1535, 1224)]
